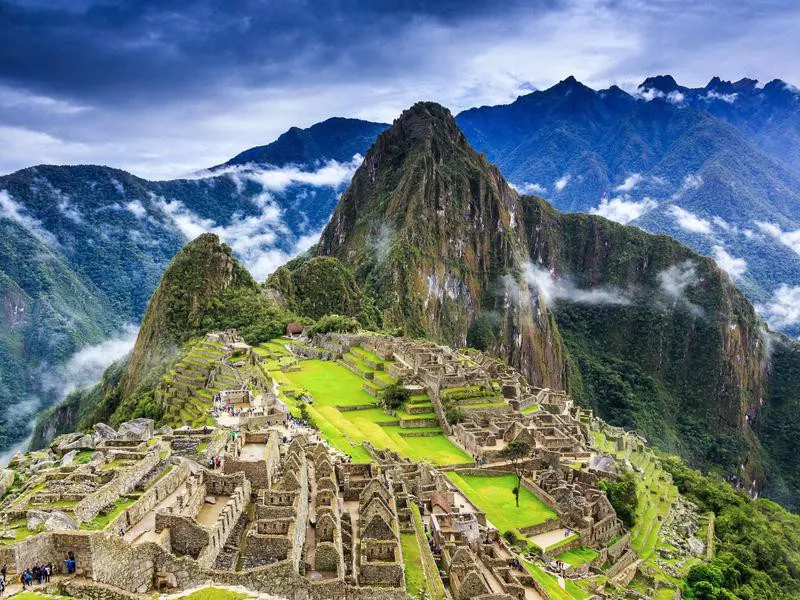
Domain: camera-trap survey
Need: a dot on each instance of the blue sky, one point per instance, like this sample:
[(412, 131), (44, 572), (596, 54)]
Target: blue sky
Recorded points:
[(166, 87)]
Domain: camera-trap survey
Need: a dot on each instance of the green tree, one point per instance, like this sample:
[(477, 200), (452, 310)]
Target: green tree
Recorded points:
[(516, 452), (622, 495), (394, 396)]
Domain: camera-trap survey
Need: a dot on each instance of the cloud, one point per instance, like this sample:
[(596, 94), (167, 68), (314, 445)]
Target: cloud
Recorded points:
[(790, 239), (688, 221), (722, 224), (675, 280), (622, 210), (735, 267), (13, 210), (553, 288), (562, 182), (86, 366), (631, 181), (675, 97), (783, 309), (712, 95), (332, 174), (529, 188), (137, 208), (68, 209)]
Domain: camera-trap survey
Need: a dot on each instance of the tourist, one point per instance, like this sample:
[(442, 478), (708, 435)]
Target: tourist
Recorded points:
[(217, 463), (121, 532), (3, 572), (48, 572), (2, 585), (37, 574)]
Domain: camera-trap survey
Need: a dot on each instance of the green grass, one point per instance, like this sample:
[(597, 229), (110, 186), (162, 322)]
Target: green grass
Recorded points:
[(101, 521), (578, 556), (28, 595), (550, 584), (332, 385), (412, 557), (494, 496), (213, 593)]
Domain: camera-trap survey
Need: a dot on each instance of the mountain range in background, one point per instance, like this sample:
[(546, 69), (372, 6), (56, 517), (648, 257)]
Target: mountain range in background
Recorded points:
[(715, 167)]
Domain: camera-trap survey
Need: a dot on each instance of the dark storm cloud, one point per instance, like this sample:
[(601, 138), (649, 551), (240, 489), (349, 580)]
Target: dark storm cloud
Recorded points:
[(165, 87), (143, 50)]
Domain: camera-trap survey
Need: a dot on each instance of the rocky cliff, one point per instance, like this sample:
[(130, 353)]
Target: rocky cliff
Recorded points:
[(431, 229)]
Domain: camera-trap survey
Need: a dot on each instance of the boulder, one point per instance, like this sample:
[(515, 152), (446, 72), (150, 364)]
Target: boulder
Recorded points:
[(82, 442), (138, 429), (68, 458), (6, 481), (104, 432), (211, 500), (36, 518), (59, 521), (165, 430)]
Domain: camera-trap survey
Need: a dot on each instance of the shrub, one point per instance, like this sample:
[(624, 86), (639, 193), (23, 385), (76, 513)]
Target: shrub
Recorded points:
[(394, 396), (334, 323)]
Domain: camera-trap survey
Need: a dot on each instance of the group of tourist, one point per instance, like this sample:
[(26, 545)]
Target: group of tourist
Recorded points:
[(38, 573), (214, 462)]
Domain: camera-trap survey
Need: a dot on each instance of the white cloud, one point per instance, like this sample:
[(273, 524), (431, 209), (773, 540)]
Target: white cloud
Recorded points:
[(137, 208), (623, 210), (724, 225), (735, 267), (675, 280), (554, 288), (783, 309), (68, 209), (13, 210), (562, 182), (631, 181), (332, 174), (790, 239), (530, 188), (675, 97), (688, 221), (87, 365), (712, 95)]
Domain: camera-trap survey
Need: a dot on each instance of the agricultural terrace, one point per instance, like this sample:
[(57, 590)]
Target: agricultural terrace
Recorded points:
[(494, 495), (347, 415)]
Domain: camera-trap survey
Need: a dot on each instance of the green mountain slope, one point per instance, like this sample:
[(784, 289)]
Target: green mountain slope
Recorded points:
[(643, 329)]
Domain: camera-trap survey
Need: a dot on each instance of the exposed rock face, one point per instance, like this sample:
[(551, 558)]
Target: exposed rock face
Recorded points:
[(430, 229), (52, 521)]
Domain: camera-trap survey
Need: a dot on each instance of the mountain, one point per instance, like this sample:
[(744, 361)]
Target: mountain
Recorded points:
[(84, 246), (203, 288), (650, 334), (698, 165), (333, 139)]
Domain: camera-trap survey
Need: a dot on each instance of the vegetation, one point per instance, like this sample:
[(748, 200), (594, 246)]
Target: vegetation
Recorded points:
[(622, 495), (394, 396), (334, 324), (758, 542), (516, 452)]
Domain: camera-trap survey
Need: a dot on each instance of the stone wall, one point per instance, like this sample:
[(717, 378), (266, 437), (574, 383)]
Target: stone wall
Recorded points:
[(123, 483), (152, 497)]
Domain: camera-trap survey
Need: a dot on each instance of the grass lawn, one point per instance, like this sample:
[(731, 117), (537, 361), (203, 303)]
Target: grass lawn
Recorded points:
[(28, 595), (494, 496), (101, 521), (415, 576), (550, 584), (213, 593), (578, 556), (332, 385)]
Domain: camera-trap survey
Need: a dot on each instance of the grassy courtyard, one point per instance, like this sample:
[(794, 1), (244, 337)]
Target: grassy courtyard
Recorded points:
[(494, 495), (331, 385)]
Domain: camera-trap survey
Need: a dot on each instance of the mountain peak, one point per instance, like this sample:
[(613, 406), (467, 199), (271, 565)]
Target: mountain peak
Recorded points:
[(425, 120), (662, 83)]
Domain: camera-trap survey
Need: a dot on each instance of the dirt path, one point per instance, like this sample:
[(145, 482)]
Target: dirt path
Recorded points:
[(209, 513)]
